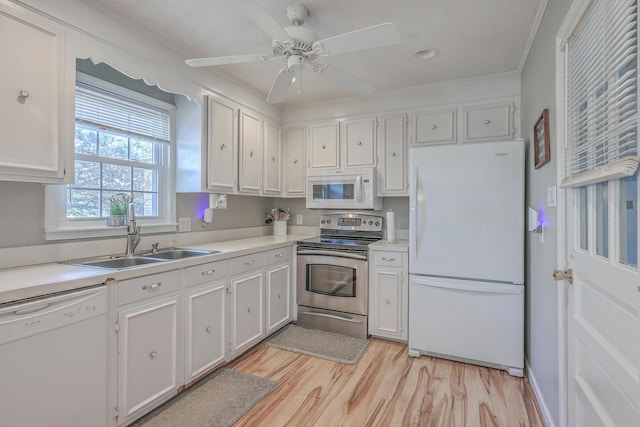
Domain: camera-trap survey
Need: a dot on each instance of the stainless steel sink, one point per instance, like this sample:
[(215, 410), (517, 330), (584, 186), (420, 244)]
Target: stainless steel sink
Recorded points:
[(131, 261), (115, 263), (169, 254)]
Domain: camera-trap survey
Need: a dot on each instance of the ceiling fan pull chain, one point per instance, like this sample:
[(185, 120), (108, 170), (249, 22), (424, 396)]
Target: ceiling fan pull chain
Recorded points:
[(300, 82)]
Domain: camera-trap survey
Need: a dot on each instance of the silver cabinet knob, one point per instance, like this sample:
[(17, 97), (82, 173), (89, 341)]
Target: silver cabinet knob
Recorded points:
[(153, 354), (434, 127), (324, 146), (208, 329), (486, 122), (222, 147), (393, 154), (24, 94), (279, 296), (250, 153), (386, 301), (295, 161), (360, 143), (249, 310), (273, 159)]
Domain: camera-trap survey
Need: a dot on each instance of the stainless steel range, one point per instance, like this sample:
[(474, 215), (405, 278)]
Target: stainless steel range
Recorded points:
[(332, 283)]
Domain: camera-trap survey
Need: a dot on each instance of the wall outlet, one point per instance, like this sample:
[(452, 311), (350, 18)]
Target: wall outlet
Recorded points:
[(184, 224), (298, 219)]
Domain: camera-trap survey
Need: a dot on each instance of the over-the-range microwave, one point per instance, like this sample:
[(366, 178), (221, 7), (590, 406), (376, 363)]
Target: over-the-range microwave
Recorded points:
[(342, 189)]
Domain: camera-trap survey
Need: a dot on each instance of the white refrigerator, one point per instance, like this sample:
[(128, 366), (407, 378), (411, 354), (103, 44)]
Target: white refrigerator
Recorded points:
[(466, 253)]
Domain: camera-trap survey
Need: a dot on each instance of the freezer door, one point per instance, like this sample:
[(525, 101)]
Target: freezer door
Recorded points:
[(474, 321), (467, 211)]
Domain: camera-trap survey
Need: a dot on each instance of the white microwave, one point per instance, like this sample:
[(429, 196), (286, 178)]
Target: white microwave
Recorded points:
[(342, 189)]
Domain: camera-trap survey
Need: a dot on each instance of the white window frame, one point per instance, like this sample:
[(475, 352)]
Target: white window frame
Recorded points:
[(59, 227)]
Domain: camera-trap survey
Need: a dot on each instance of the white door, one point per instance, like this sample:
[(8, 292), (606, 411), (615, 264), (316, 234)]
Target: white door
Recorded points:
[(603, 326)]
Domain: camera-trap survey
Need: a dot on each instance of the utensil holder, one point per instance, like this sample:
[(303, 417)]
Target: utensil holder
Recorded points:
[(279, 228)]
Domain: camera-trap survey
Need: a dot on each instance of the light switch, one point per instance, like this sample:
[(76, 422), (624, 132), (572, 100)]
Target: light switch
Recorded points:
[(551, 196)]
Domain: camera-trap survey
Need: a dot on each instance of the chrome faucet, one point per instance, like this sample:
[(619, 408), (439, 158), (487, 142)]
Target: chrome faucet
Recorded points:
[(133, 231)]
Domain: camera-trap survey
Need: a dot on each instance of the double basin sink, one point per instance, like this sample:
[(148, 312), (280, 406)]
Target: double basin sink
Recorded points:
[(120, 262)]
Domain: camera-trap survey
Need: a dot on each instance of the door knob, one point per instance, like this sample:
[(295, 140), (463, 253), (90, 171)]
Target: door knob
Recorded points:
[(563, 275)]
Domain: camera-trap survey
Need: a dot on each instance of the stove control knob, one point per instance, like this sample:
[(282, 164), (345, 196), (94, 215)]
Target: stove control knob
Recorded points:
[(370, 222), (328, 221), (322, 221), (377, 223)]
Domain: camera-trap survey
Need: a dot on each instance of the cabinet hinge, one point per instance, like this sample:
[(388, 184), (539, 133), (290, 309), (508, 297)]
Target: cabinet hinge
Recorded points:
[(116, 327), (229, 347), (116, 412), (229, 289)]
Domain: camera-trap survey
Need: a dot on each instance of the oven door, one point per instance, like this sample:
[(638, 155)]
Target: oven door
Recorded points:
[(332, 280)]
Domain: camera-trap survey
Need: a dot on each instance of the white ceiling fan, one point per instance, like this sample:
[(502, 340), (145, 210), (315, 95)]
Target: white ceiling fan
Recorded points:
[(298, 45)]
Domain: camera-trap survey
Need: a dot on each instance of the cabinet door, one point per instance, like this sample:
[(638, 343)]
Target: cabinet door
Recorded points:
[(222, 145), (323, 143), (204, 332), (294, 168), (33, 101), (278, 296), (247, 302), (359, 142), (147, 356), (388, 302), (392, 143), (488, 122), (250, 152), (434, 127), (272, 159)]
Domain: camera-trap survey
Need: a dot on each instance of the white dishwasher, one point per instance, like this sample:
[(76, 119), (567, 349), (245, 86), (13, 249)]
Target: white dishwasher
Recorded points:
[(53, 360)]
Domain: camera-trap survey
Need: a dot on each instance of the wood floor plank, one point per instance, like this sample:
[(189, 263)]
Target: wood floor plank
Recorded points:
[(385, 388)]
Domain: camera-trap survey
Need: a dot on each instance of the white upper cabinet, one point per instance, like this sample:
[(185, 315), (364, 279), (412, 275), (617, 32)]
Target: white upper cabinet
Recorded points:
[(222, 144), (393, 157), (36, 99), (294, 167), (250, 152), (324, 142), (359, 142), (488, 122), (272, 182), (433, 127)]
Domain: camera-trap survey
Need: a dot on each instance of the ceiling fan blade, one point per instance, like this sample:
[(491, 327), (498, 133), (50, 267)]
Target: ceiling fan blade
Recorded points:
[(222, 60), (346, 81), (261, 18), (379, 35), (281, 85)]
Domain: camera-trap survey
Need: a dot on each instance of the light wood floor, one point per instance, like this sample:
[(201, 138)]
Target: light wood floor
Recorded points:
[(385, 388)]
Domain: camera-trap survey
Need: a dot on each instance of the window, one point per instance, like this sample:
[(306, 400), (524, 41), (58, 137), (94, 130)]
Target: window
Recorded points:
[(122, 145)]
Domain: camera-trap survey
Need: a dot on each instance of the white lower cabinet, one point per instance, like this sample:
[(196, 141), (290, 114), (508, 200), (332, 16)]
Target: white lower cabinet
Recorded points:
[(388, 295), (247, 315), (279, 276)]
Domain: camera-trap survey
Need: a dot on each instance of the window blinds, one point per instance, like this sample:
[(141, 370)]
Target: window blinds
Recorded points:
[(601, 94), (119, 114)]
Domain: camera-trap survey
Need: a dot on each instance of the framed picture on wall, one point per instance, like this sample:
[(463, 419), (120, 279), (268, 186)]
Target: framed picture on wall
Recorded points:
[(541, 148)]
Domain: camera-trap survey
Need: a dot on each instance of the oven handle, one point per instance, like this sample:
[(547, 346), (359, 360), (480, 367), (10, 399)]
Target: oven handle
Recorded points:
[(332, 316), (334, 253)]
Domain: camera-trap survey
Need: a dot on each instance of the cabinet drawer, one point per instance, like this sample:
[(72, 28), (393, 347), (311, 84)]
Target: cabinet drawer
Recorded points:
[(279, 255), (390, 259), (148, 286), (435, 127), (247, 263), (206, 272), (488, 122)]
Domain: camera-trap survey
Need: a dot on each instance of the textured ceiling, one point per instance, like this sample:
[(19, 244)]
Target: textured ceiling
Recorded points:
[(474, 38)]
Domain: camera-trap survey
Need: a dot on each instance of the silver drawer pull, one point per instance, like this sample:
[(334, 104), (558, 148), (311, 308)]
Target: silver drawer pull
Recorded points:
[(154, 286), (249, 262), (279, 255), (388, 259), (208, 272), (208, 329), (153, 354)]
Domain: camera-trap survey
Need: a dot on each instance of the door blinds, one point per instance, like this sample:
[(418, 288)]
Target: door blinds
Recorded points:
[(602, 94)]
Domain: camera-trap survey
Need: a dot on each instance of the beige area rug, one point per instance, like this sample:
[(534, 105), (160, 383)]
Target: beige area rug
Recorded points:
[(216, 401), (326, 345)]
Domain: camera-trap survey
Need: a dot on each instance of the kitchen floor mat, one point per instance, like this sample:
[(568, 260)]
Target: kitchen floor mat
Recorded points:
[(326, 345), (217, 401)]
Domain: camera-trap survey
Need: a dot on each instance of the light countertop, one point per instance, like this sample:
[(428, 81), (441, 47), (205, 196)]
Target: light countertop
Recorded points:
[(36, 280), (396, 246)]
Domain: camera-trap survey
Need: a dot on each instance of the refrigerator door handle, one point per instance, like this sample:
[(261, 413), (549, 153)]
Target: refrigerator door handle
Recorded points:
[(415, 234), (494, 288), (358, 189)]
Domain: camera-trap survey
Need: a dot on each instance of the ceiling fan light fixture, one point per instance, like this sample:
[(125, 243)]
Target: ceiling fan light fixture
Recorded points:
[(426, 53)]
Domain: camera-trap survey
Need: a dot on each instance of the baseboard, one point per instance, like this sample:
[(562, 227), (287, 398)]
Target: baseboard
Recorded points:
[(536, 390)]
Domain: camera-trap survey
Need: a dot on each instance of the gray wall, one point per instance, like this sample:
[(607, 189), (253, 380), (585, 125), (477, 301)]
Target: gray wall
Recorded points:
[(538, 93)]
